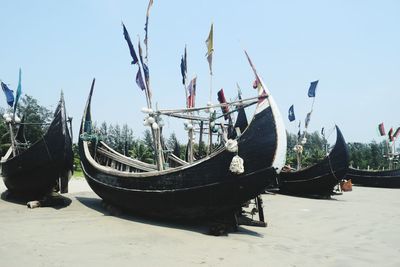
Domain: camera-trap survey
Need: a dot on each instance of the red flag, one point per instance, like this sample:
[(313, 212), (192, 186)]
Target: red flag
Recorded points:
[(381, 129), (390, 134), (192, 93), (222, 100)]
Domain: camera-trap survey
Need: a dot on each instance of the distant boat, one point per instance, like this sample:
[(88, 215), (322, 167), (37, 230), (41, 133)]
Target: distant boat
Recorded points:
[(319, 179), (387, 179), (33, 172), (205, 188)]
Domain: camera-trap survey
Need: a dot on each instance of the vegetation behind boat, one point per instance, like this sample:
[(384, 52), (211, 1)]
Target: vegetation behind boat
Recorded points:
[(361, 155), (33, 113)]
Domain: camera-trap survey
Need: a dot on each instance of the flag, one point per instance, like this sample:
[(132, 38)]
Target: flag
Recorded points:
[(257, 83), (131, 49), (9, 94), (222, 100), (146, 72), (396, 133), (307, 121), (291, 115), (145, 68), (18, 93), (323, 131), (313, 87), (381, 129), (210, 47), (191, 93), (147, 22), (390, 135), (184, 67), (139, 80), (299, 133)]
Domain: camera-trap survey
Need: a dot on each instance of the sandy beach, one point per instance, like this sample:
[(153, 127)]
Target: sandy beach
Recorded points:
[(359, 228)]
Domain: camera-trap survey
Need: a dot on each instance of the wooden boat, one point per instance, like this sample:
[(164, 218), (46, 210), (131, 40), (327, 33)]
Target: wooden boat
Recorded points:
[(35, 171), (321, 178), (203, 189), (387, 179)]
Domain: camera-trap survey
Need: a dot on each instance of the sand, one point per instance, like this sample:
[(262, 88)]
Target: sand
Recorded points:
[(360, 228)]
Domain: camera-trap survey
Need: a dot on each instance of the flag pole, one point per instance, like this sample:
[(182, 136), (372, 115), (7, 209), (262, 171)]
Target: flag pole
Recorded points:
[(210, 50), (184, 80), (211, 114)]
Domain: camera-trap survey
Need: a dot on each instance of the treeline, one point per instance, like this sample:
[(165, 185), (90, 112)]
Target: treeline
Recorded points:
[(121, 139), (315, 149), (363, 156), (32, 112)]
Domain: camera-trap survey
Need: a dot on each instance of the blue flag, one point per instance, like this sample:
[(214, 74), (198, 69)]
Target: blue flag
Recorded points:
[(308, 117), (139, 80), (291, 116), (145, 68), (184, 67), (313, 87), (9, 94), (130, 45), (19, 91)]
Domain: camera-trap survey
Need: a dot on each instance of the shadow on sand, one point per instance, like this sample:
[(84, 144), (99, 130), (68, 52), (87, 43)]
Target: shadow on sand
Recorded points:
[(200, 226), (332, 196), (54, 200)]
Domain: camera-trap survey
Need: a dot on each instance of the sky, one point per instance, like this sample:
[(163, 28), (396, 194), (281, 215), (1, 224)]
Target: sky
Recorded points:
[(351, 46)]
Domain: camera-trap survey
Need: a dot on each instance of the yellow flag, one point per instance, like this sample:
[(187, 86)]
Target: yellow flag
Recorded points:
[(209, 41), (210, 47)]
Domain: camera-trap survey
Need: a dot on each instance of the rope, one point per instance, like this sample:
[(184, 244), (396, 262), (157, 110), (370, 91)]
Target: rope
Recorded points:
[(47, 148)]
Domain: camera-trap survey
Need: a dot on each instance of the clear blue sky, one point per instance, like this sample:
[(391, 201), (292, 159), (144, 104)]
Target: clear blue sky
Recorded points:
[(351, 47)]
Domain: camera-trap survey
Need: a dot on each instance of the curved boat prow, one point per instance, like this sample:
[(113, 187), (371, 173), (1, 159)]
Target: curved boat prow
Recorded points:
[(341, 145), (280, 154), (86, 123), (281, 142)]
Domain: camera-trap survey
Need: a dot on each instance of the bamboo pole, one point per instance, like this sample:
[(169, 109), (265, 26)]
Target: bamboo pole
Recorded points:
[(12, 138), (209, 124)]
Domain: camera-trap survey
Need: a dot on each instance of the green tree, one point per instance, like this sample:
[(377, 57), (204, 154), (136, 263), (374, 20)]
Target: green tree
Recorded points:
[(4, 135), (36, 114), (141, 151), (313, 149)]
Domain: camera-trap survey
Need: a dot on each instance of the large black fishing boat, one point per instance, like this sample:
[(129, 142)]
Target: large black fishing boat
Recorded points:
[(205, 188), (387, 179), (35, 170), (321, 178)]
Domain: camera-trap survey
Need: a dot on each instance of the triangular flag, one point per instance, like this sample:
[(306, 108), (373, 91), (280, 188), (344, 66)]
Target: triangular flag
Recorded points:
[(210, 47)]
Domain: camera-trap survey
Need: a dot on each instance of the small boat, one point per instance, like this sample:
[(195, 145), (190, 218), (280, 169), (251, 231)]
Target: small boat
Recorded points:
[(206, 188), (34, 171), (387, 179), (321, 178)]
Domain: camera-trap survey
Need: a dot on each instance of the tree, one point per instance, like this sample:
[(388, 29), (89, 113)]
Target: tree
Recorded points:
[(174, 145), (33, 113), (39, 117), (141, 151), (314, 149), (4, 135), (148, 140)]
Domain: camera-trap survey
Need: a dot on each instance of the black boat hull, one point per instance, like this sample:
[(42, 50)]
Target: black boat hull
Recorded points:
[(321, 178), (206, 188), (187, 204), (385, 179), (35, 172)]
